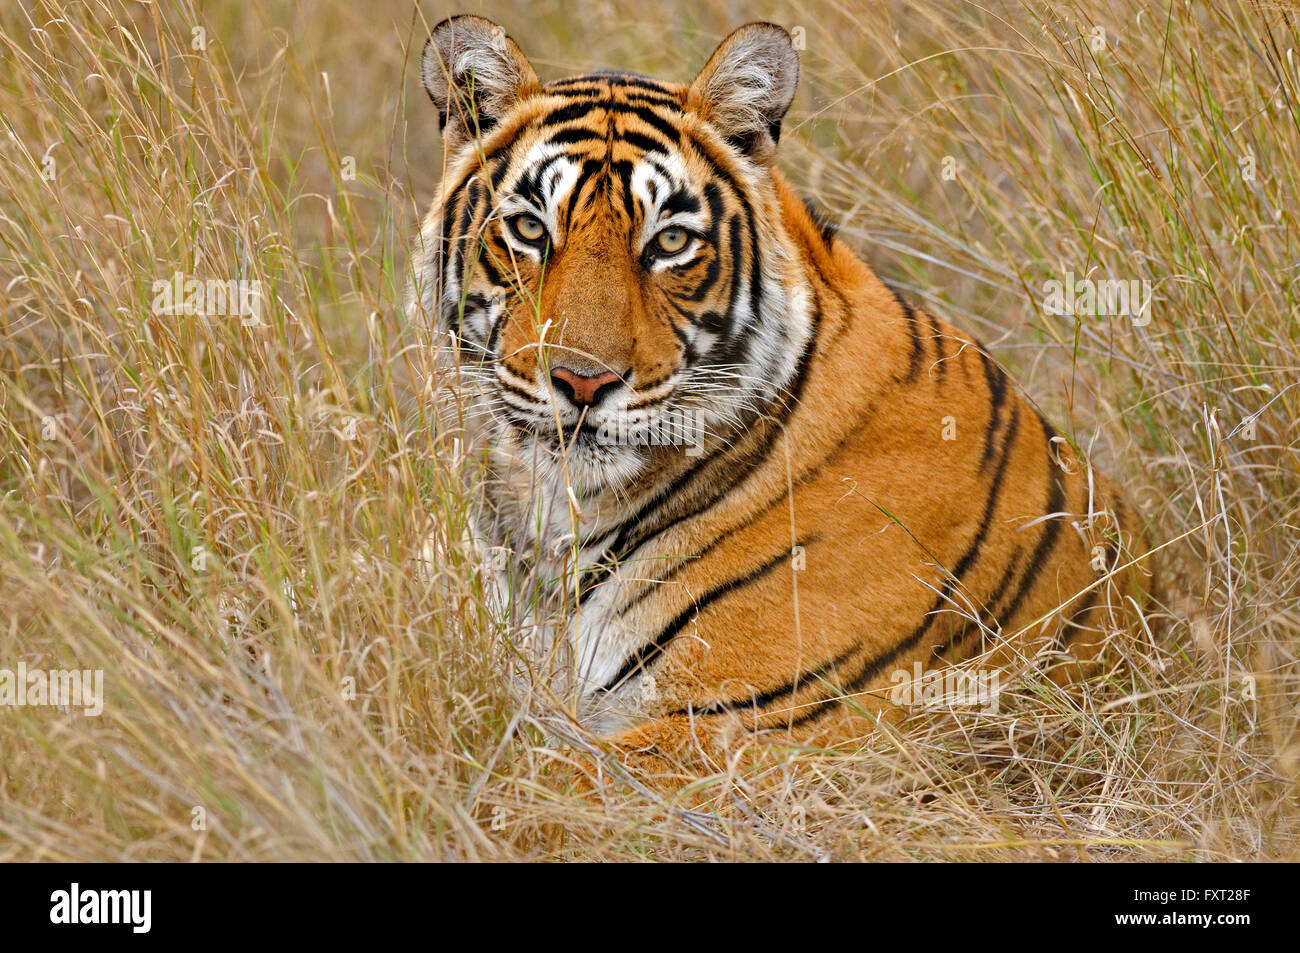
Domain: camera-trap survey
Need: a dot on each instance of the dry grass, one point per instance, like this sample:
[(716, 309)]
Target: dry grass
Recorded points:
[(135, 443)]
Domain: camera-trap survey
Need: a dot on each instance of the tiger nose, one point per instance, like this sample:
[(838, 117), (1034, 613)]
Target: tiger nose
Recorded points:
[(583, 389)]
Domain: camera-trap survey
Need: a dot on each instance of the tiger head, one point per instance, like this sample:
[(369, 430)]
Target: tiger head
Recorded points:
[(607, 259)]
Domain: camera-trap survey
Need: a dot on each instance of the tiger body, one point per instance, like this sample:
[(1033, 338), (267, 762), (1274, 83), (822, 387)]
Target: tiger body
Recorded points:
[(862, 489)]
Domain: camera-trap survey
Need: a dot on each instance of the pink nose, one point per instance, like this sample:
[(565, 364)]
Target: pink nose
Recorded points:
[(581, 388)]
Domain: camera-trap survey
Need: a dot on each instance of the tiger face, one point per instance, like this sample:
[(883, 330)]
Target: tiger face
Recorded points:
[(607, 261)]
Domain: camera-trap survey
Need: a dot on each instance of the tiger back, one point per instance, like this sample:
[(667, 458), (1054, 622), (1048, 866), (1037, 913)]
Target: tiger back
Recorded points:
[(756, 489)]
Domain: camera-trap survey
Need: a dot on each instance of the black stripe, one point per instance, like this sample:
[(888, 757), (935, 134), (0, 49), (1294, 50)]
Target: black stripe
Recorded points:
[(611, 78), (641, 97), (641, 82), (909, 314), (627, 544), (655, 647), (987, 619), (576, 110), (874, 666), (720, 171), (621, 172), (681, 200), (1046, 542), (449, 215), (997, 383), (574, 80), (574, 135), (713, 197), (736, 347), (579, 110), (490, 272), (937, 337), (646, 144), (737, 264), (685, 342), (755, 276), (672, 134), (665, 100), (807, 476), (494, 335), (498, 172), (827, 228), (515, 389), (995, 490), (766, 698), (530, 186), (590, 167), (454, 247)]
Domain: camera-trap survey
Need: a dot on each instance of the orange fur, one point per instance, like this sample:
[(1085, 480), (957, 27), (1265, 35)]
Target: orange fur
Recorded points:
[(889, 500)]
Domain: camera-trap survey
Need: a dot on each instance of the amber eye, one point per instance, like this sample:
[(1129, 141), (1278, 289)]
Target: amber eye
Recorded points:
[(528, 227), (672, 240)]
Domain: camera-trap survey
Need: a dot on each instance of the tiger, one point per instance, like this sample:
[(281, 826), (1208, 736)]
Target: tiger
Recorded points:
[(756, 488)]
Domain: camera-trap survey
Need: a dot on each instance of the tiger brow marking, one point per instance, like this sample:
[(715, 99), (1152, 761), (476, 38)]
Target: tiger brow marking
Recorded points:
[(579, 109), (635, 97), (613, 78)]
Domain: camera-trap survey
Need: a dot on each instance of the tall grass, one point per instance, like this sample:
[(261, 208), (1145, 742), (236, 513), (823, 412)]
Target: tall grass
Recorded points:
[(228, 518)]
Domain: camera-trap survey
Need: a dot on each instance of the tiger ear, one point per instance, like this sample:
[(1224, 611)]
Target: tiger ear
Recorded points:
[(746, 87), (473, 73)]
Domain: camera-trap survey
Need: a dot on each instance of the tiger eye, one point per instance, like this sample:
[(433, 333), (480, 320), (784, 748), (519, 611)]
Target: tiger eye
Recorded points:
[(528, 227), (672, 240)]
